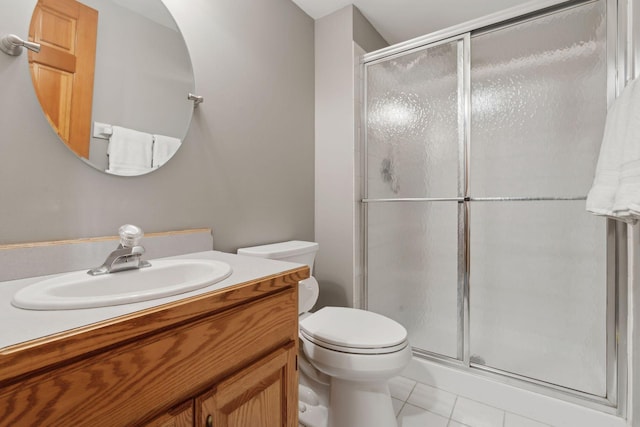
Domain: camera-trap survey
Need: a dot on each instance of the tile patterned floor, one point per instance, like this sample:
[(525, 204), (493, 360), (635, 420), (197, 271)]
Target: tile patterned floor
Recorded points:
[(420, 405)]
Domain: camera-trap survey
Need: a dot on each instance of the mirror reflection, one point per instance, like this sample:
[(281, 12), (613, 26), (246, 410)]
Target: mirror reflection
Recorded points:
[(112, 78)]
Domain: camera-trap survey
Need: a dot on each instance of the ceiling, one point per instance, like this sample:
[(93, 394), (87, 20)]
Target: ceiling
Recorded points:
[(400, 20)]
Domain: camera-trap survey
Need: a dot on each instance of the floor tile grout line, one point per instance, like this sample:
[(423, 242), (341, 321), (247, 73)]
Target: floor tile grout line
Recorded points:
[(401, 408), (457, 397), (404, 403), (453, 407), (411, 392)]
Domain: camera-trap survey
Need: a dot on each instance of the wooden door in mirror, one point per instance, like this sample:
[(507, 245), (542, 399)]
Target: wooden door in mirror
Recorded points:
[(63, 71)]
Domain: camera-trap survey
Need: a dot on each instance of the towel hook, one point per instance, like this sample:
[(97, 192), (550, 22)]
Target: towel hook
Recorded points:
[(12, 45), (197, 100)]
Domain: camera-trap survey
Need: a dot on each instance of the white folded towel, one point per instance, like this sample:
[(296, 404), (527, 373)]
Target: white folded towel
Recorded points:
[(616, 187), (129, 151), (164, 147), (124, 171)]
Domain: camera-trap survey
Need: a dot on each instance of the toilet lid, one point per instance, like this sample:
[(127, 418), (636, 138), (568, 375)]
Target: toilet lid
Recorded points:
[(353, 331)]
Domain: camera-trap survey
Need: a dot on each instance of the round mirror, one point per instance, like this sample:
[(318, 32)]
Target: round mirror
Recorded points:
[(113, 79)]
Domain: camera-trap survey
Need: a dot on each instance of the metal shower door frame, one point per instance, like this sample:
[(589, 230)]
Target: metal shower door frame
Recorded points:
[(618, 72)]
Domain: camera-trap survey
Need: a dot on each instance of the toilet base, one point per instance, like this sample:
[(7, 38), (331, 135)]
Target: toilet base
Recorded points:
[(360, 404), (355, 404), (313, 404), (348, 402), (312, 415)]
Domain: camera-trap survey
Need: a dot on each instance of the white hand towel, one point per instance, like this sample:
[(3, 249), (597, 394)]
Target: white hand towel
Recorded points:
[(164, 147), (616, 188), (129, 151), (125, 171), (627, 202)]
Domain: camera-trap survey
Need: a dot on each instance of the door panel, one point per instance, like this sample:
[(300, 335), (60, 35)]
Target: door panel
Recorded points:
[(414, 133), (261, 395), (55, 89), (413, 124), (412, 270), (538, 292), (539, 101), (63, 71), (538, 285)]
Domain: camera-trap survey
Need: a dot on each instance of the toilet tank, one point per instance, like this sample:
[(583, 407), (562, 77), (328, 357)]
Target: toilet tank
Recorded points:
[(292, 251)]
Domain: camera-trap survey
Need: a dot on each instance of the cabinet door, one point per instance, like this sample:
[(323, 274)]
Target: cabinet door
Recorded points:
[(181, 416), (265, 394)]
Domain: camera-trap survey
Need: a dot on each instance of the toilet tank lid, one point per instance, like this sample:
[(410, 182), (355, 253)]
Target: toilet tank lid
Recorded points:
[(280, 250)]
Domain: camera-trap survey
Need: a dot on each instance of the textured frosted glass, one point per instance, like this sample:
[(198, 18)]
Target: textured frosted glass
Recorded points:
[(412, 124), (538, 291), (412, 270), (538, 105)]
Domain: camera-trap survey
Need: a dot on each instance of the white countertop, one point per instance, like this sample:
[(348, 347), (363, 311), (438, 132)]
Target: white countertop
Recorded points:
[(19, 325)]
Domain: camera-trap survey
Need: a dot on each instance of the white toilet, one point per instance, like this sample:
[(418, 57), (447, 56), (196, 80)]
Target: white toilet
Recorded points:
[(354, 352)]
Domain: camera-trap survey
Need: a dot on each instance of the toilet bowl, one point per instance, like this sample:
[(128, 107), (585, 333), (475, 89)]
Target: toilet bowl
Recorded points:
[(359, 351), (348, 355)]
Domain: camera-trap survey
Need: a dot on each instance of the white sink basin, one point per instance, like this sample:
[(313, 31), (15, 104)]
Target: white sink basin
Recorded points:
[(80, 290)]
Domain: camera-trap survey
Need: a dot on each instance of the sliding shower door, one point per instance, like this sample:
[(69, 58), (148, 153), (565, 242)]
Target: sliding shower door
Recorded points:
[(538, 285), (414, 140), (479, 153)]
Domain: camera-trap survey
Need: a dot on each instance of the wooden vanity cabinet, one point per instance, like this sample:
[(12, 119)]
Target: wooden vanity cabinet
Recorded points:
[(223, 359), (181, 416), (256, 396)]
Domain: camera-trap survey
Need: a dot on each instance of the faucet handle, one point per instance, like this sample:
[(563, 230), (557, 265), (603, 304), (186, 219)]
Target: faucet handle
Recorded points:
[(130, 235)]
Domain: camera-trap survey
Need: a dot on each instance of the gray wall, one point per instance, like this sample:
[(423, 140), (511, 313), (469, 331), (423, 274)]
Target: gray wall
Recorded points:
[(336, 153), (245, 168), (364, 34)]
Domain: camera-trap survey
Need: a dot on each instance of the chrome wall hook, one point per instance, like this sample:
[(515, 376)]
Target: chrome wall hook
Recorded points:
[(197, 100), (12, 45)]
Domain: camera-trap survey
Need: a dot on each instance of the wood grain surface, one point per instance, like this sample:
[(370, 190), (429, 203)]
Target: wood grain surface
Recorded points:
[(29, 358), (137, 381)]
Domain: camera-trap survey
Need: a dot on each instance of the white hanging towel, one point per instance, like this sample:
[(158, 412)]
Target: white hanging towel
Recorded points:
[(164, 147), (616, 187), (129, 151)]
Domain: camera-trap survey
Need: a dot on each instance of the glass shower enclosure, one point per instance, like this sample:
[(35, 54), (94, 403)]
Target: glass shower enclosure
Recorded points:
[(479, 150)]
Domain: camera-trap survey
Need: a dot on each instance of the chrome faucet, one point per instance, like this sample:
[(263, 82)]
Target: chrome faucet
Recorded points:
[(127, 255)]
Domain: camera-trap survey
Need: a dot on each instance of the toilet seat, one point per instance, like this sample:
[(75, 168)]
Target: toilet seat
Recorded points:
[(355, 350), (354, 331)]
